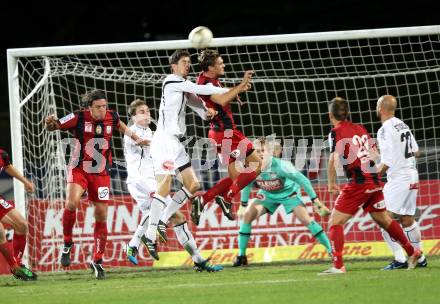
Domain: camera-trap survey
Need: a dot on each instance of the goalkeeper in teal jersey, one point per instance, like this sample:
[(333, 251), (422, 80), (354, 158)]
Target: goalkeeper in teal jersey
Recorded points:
[(280, 185)]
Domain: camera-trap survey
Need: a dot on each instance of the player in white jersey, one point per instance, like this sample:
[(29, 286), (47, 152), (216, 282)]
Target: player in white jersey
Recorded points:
[(168, 152), (142, 185), (398, 151)]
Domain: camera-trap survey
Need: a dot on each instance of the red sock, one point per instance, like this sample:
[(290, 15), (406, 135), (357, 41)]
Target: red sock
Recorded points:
[(19, 243), (100, 236), (242, 181), (219, 188), (6, 250), (396, 232), (336, 236), (69, 219)]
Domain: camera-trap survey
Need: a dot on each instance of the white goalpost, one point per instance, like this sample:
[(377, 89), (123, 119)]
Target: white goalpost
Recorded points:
[(295, 76)]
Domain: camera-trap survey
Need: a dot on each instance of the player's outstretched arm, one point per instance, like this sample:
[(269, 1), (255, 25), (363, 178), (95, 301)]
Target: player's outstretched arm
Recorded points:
[(13, 172), (123, 129), (198, 89), (290, 172), (225, 98), (67, 122), (198, 105)]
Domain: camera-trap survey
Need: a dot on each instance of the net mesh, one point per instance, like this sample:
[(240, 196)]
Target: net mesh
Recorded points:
[(292, 84)]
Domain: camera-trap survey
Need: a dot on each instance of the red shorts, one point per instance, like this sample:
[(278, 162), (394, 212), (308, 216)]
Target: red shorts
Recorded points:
[(97, 186), (353, 196), (231, 145), (5, 206)]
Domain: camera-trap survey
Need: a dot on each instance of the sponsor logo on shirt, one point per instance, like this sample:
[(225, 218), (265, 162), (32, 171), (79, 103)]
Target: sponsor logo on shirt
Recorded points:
[(270, 185), (67, 118), (168, 165), (235, 153), (5, 204), (414, 186), (103, 193), (400, 126), (379, 205), (260, 196)]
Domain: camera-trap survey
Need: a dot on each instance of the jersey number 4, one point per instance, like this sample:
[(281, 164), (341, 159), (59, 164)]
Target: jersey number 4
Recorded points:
[(406, 137)]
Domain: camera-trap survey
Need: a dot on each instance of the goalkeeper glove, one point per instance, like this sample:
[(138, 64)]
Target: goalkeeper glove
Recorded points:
[(320, 208)]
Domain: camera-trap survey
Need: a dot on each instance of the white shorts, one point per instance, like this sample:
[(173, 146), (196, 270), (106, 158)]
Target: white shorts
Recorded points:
[(142, 192), (400, 197), (168, 154)]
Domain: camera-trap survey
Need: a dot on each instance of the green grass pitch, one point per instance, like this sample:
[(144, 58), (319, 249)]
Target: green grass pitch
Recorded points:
[(268, 283)]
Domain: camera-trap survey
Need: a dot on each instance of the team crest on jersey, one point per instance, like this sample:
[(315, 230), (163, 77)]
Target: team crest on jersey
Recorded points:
[(103, 193), (108, 129), (168, 165), (98, 129), (88, 127), (235, 153), (5, 204)]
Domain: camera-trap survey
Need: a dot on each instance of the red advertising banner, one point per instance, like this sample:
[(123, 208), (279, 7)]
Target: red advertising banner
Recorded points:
[(280, 231)]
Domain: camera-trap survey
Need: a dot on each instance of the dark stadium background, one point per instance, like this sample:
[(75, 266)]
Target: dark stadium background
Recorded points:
[(35, 24)]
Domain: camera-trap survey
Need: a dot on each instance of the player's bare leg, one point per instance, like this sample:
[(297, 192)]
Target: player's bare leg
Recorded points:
[(190, 186), (253, 211), (384, 220), (303, 216), (19, 224), (100, 237), (20, 272), (74, 194), (336, 235)]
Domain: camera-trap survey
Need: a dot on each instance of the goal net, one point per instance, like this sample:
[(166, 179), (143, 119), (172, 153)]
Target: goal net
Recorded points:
[(295, 77)]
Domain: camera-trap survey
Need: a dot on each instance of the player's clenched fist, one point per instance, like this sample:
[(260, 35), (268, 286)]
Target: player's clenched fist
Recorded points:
[(246, 81), (51, 122)]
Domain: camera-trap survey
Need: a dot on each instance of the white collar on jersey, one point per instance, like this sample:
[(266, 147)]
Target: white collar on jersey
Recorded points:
[(142, 127)]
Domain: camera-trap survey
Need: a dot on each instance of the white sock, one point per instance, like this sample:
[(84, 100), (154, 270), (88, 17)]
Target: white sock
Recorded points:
[(415, 237), (157, 206), (177, 201), (141, 229), (397, 250), (186, 239)]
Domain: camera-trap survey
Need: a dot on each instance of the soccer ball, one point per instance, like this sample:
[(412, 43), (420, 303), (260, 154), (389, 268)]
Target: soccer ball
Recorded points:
[(200, 37)]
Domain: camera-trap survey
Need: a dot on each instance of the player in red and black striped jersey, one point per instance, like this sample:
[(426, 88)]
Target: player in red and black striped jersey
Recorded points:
[(10, 216), (89, 168), (350, 146), (232, 145)]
